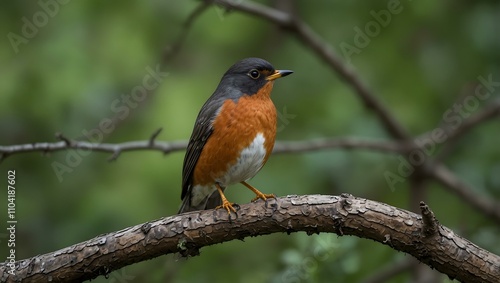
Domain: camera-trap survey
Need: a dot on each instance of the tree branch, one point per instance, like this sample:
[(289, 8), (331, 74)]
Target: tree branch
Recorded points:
[(489, 112), (488, 206), (187, 233), (344, 143), (173, 146), (171, 51), (115, 149)]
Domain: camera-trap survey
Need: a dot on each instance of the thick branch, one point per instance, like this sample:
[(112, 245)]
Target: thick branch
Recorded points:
[(187, 233)]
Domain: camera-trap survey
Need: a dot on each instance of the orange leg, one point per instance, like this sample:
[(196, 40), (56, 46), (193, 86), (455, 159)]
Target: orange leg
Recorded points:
[(258, 194), (225, 203)]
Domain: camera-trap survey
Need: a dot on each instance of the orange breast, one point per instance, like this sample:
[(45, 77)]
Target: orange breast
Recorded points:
[(235, 128)]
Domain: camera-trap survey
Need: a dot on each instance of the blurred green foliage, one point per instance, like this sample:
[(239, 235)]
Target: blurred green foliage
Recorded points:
[(79, 58)]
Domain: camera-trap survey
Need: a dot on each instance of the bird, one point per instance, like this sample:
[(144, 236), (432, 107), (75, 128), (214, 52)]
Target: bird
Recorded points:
[(233, 136)]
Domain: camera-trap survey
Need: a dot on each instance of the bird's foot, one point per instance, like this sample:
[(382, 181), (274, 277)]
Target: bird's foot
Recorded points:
[(227, 206), (259, 195)]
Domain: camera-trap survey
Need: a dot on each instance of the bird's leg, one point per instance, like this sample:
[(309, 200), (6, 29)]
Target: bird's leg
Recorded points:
[(225, 203), (258, 194)]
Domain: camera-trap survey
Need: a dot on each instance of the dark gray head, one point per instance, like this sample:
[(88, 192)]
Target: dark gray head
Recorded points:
[(249, 75)]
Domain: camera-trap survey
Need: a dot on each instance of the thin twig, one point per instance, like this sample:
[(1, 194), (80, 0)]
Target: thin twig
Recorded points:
[(489, 112), (154, 136), (445, 177), (430, 223), (63, 138), (171, 51)]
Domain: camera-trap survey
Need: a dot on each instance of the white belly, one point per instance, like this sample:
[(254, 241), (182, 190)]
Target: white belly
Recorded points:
[(248, 164)]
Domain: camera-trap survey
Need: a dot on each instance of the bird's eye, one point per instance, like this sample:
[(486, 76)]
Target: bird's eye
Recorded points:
[(254, 74)]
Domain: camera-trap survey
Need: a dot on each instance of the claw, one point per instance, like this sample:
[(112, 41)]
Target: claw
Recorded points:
[(258, 194), (228, 206), (263, 196), (237, 206), (225, 203)]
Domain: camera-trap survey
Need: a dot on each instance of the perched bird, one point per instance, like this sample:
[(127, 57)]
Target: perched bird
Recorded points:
[(233, 136)]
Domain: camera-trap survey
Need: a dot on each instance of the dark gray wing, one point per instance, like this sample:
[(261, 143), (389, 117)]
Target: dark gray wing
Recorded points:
[(201, 132)]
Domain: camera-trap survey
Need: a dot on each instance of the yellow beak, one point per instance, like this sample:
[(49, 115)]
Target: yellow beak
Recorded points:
[(278, 74)]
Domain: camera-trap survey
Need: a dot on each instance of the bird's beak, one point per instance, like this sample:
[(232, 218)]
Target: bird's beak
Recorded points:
[(278, 74)]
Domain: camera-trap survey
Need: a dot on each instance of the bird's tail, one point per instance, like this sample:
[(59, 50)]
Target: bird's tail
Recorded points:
[(211, 201)]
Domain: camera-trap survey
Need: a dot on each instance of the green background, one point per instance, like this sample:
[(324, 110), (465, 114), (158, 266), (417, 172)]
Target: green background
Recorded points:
[(67, 75)]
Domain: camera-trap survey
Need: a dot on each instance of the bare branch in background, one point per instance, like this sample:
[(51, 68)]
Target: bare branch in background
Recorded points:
[(169, 147), (487, 113), (171, 51), (488, 206)]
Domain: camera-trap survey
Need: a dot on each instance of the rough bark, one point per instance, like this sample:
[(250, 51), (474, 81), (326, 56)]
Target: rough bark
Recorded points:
[(423, 238)]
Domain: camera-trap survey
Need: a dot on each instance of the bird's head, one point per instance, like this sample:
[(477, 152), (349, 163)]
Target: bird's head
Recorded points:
[(250, 75)]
